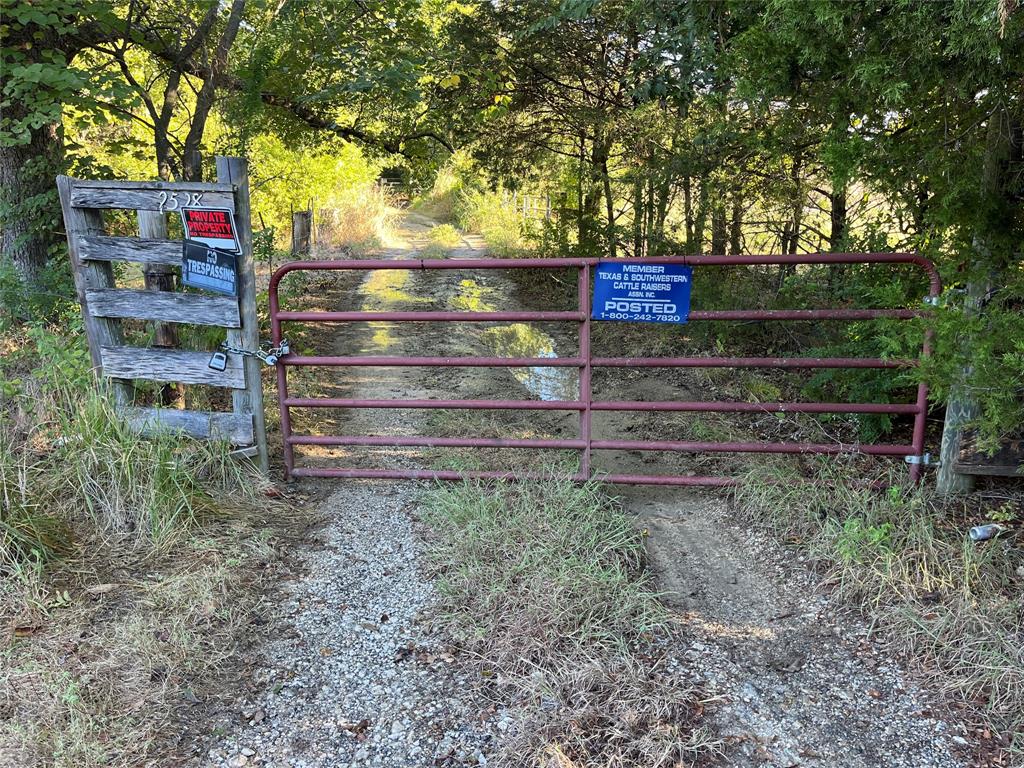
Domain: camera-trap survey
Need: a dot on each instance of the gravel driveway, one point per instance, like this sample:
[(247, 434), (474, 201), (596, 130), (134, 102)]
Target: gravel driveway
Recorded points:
[(357, 675)]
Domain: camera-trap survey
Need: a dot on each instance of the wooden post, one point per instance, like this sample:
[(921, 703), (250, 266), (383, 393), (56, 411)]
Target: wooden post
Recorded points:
[(301, 226), (92, 275), (235, 170), (961, 410), (160, 277)]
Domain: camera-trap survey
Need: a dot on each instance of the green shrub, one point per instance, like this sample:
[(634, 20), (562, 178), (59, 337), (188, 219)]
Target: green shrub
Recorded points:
[(445, 236), (483, 212)]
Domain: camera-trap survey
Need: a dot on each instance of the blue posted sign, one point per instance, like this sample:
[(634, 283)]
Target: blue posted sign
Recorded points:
[(645, 293)]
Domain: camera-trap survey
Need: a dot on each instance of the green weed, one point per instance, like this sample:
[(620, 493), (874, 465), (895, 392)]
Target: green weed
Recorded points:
[(544, 582), (550, 563)]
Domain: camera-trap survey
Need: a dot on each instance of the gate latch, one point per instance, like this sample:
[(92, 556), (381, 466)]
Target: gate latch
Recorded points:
[(925, 460)]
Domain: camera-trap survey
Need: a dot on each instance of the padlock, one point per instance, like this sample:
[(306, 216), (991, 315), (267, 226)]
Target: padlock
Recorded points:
[(219, 361), (270, 359)]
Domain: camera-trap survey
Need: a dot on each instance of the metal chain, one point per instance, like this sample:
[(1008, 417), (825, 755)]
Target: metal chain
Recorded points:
[(270, 356)]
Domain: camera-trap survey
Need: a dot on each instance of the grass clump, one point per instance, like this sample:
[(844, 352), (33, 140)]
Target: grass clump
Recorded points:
[(445, 236), (441, 240), (905, 556), (361, 220), (500, 225), (544, 581), (554, 563)]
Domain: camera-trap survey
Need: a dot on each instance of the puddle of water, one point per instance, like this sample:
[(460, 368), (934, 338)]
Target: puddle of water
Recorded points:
[(523, 340), (390, 289), (519, 340), (382, 290)]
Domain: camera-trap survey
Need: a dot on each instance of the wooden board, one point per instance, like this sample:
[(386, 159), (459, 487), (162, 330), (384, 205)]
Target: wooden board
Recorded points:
[(146, 196), (176, 186), (1008, 461), (135, 249), (231, 427), (170, 365), (164, 306), (91, 275)]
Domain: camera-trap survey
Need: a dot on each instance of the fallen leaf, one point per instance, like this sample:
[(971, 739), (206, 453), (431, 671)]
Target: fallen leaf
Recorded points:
[(357, 729), (27, 630)]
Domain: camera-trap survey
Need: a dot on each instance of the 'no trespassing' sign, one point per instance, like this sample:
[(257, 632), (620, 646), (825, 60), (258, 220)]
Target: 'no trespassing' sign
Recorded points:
[(208, 268), (213, 226)]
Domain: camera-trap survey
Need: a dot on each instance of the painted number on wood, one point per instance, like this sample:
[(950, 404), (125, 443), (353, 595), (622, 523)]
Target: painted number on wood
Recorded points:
[(174, 201)]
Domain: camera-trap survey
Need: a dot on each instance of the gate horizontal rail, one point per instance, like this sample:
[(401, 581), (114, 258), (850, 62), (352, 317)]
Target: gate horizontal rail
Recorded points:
[(585, 362)]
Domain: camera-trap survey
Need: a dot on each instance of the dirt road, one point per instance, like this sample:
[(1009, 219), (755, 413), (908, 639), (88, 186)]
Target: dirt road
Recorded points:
[(795, 679)]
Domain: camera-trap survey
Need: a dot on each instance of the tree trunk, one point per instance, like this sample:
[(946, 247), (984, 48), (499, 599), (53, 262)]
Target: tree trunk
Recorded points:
[(736, 226), (639, 215), (28, 218), (609, 205), (797, 204), (688, 212), (997, 247), (601, 188), (656, 228), (837, 234), (700, 220), (718, 226), (837, 217)]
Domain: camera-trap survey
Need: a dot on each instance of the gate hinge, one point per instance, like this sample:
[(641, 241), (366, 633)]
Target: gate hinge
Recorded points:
[(925, 460)]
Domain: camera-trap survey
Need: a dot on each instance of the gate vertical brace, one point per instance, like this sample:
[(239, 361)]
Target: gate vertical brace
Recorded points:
[(282, 386), (921, 417), (585, 370)]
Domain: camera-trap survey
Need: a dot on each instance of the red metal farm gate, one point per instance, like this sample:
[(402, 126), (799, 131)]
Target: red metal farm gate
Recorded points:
[(585, 362)]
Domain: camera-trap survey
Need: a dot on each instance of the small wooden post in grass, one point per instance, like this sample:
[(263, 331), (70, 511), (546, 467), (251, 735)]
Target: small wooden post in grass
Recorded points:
[(301, 226)]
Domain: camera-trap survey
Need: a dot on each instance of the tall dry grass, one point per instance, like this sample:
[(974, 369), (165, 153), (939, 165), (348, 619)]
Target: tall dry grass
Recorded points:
[(128, 568), (360, 220)]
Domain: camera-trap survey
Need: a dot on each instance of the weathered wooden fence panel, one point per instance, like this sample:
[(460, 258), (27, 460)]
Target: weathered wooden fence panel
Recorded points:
[(105, 305)]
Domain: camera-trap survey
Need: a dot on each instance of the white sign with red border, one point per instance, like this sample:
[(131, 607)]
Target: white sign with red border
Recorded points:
[(214, 227)]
